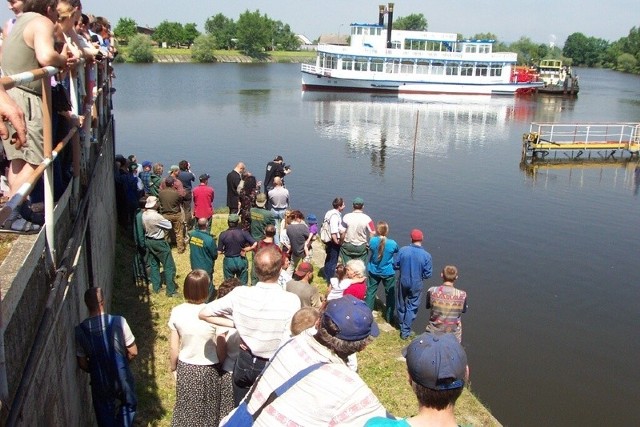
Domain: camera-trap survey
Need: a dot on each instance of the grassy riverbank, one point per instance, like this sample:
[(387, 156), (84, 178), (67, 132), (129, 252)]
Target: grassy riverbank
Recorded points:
[(184, 55), (380, 364)]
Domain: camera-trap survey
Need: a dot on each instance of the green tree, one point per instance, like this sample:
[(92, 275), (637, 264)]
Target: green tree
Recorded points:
[(190, 33), (140, 49), (222, 29), (529, 53), (284, 38), (627, 63), (203, 48), (254, 33), (125, 29), (171, 33), (413, 22), (589, 51)]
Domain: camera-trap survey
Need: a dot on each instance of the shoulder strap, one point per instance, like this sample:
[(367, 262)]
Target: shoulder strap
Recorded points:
[(286, 386)]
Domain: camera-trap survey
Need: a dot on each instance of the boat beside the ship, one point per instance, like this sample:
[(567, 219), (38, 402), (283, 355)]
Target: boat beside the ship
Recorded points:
[(383, 60), (558, 79)]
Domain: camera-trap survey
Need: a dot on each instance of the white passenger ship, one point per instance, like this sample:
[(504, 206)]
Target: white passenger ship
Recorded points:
[(380, 59)]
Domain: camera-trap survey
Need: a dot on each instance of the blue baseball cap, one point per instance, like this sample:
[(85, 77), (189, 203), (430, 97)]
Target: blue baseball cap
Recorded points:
[(352, 317), (436, 361)]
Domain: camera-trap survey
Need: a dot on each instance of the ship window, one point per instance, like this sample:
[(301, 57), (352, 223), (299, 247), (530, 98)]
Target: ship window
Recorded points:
[(453, 69), (360, 64), (496, 70), (330, 62), (377, 65), (470, 48), (422, 67), (359, 32), (437, 68), (347, 64), (484, 48), (466, 69), (481, 70), (407, 67)]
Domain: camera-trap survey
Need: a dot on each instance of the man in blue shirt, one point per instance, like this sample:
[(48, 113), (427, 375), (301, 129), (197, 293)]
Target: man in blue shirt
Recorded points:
[(414, 263)]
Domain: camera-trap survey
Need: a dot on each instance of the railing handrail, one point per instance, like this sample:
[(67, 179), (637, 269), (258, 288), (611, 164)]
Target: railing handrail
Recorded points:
[(50, 152)]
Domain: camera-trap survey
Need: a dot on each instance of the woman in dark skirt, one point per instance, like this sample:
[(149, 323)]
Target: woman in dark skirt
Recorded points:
[(194, 358)]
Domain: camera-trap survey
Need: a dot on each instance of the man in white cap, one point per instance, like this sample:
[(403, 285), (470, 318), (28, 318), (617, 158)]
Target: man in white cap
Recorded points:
[(261, 217), (159, 252)]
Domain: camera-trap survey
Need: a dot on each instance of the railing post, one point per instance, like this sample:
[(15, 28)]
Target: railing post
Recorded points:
[(48, 173)]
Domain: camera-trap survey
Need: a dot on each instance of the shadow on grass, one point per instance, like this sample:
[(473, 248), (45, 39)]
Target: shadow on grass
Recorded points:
[(131, 299)]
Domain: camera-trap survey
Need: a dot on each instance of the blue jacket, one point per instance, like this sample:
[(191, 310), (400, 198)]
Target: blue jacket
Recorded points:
[(414, 263)]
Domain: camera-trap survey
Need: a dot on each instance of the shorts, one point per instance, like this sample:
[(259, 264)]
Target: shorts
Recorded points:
[(31, 105)]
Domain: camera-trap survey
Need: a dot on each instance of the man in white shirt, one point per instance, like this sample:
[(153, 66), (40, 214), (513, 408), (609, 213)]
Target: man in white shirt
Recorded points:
[(261, 314), (358, 228)]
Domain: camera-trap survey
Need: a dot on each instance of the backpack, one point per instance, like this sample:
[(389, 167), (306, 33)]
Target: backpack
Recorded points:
[(325, 230)]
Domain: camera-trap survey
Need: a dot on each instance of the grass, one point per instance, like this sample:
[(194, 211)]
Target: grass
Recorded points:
[(6, 242), (380, 365), (277, 56)]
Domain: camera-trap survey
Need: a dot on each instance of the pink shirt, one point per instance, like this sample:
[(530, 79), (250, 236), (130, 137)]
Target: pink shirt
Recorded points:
[(203, 201)]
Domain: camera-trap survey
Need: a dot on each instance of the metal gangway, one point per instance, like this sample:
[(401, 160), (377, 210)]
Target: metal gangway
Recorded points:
[(580, 141)]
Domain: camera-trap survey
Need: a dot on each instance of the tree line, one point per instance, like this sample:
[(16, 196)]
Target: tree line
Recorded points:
[(255, 34)]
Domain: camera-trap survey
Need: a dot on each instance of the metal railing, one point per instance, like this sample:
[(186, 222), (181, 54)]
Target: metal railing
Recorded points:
[(80, 138)]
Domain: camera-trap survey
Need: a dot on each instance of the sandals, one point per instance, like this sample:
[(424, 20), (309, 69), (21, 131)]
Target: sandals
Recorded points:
[(19, 225)]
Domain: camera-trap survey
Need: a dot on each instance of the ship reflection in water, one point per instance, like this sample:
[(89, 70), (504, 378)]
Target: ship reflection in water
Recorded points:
[(435, 124)]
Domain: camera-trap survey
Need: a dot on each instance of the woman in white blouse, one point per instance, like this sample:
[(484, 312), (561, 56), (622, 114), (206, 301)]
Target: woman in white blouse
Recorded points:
[(194, 357)]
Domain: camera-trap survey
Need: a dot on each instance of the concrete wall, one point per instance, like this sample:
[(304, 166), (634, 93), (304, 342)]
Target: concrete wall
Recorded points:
[(40, 383)]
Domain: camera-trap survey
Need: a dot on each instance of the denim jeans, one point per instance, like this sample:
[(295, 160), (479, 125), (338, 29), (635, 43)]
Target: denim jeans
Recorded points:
[(331, 260), (245, 372)]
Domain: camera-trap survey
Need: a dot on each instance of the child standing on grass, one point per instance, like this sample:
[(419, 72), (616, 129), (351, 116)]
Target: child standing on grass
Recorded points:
[(447, 304), (312, 222)]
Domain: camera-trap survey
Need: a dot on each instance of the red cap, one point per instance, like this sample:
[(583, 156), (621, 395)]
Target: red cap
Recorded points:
[(303, 268), (416, 235)]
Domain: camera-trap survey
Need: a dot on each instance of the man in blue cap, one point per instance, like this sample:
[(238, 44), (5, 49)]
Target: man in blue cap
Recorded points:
[(330, 393), (437, 367)]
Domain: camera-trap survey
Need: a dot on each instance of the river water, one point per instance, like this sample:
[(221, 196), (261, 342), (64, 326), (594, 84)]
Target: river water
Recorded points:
[(549, 257)]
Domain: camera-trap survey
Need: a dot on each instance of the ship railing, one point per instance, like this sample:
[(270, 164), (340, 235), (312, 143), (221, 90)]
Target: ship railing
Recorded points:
[(96, 113)]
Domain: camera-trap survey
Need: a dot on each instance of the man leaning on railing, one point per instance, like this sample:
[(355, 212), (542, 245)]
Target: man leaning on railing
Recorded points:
[(30, 45)]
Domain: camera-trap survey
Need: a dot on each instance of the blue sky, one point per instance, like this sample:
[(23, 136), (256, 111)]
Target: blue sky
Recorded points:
[(540, 20)]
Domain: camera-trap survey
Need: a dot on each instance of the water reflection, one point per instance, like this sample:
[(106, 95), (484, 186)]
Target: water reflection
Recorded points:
[(431, 125), (549, 107), (612, 171)]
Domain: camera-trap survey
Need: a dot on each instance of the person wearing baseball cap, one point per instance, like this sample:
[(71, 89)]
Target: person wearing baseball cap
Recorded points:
[(275, 168), (156, 228), (438, 371), (330, 393), (415, 266), (203, 196), (301, 285)]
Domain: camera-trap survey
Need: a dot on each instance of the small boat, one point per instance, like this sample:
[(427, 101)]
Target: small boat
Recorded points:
[(380, 59), (558, 79)]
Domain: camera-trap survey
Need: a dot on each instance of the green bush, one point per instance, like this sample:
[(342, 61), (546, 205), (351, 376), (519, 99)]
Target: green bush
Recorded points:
[(140, 49), (627, 63), (203, 48)]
